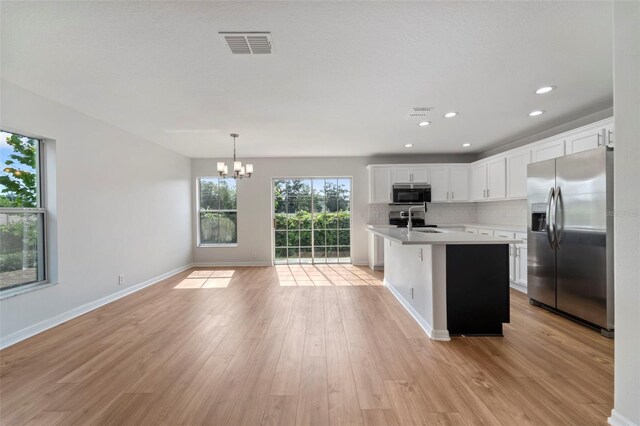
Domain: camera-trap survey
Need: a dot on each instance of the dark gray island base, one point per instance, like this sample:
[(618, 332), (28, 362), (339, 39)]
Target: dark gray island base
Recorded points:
[(452, 283), (477, 289)]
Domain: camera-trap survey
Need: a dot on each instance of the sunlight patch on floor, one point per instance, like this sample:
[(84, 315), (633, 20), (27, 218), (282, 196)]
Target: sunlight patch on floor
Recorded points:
[(209, 278), (324, 275)]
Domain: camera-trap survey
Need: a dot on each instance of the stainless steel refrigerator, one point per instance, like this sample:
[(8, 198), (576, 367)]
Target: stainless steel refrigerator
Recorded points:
[(570, 236)]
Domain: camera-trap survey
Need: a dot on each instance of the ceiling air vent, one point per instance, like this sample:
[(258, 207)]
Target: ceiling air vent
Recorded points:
[(419, 111), (248, 43)]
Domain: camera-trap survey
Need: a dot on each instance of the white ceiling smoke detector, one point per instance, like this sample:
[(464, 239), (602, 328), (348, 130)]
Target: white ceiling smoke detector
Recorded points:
[(248, 43)]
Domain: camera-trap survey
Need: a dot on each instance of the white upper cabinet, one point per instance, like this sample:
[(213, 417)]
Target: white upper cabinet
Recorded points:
[(380, 184), (497, 179), (548, 150), (440, 184), (449, 184), (517, 174), (459, 184), (609, 133), (582, 141), (401, 174), (420, 174), (502, 176), (411, 174), (479, 182)]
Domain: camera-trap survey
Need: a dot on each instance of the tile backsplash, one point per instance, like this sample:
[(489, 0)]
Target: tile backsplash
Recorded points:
[(512, 212), (437, 214)]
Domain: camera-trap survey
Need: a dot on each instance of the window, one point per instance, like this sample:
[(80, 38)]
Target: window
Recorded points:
[(218, 214), (22, 213)]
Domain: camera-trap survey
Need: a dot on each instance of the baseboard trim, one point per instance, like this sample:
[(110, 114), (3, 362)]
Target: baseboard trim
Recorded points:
[(618, 419), (32, 330), (442, 335), (518, 287), (218, 264)]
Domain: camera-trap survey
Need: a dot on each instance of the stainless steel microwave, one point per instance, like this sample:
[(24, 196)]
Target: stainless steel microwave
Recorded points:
[(411, 193)]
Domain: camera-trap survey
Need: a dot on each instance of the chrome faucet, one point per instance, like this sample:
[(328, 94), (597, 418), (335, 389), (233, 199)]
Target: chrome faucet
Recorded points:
[(410, 224)]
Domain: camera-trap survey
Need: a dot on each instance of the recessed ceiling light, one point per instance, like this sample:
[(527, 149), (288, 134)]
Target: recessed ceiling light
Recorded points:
[(450, 114), (424, 123), (466, 145), (545, 89), (536, 113), (408, 145)]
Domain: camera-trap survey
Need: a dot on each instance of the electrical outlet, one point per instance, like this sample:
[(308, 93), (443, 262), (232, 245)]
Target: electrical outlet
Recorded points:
[(120, 279)]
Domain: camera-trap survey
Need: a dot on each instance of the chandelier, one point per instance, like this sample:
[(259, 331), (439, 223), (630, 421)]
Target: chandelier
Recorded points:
[(239, 171)]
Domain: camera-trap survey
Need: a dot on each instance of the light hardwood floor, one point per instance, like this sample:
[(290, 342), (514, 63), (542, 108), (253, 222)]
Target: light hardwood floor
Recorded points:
[(285, 345)]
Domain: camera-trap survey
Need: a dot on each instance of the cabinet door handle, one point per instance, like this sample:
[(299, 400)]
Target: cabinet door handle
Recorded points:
[(610, 134), (599, 137), (447, 195), (452, 196), (488, 193), (484, 193)]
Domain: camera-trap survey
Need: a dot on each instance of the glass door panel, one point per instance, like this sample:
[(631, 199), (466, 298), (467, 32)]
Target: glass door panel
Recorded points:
[(312, 220)]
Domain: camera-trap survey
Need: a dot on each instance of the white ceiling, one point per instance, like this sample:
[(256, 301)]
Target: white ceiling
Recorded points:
[(342, 81)]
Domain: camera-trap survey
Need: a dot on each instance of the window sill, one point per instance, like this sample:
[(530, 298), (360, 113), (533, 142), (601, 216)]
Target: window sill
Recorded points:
[(218, 245), (25, 289)]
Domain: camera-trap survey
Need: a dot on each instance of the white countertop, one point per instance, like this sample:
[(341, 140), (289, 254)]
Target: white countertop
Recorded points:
[(511, 228), (441, 236)]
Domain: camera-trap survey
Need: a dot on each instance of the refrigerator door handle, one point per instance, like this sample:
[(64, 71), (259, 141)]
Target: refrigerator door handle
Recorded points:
[(551, 219), (558, 230)]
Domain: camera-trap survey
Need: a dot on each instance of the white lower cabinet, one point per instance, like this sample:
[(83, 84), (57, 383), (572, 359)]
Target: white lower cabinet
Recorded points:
[(376, 252), (512, 252), (521, 260)]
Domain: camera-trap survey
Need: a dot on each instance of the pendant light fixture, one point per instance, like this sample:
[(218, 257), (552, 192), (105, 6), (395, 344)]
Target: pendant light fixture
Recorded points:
[(239, 171)]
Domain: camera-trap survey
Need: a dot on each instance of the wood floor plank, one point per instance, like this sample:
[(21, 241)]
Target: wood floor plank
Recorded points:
[(314, 331), (255, 350), (280, 411), (313, 404), (380, 418)]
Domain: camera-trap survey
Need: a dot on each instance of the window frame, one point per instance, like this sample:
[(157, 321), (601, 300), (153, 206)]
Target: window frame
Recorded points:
[(41, 209), (199, 242)]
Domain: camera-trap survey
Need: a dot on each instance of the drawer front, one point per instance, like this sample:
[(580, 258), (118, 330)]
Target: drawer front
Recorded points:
[(504, 234)]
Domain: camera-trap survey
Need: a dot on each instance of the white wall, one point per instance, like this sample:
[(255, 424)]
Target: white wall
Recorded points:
[(254, 205), (627, 208), (123, 207)]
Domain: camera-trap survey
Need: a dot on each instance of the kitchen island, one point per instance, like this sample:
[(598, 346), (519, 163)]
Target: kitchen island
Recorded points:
[(452, 283)]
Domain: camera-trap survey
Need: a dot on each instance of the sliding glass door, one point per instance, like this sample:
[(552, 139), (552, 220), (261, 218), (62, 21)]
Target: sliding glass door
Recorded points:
[(312, 220)]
